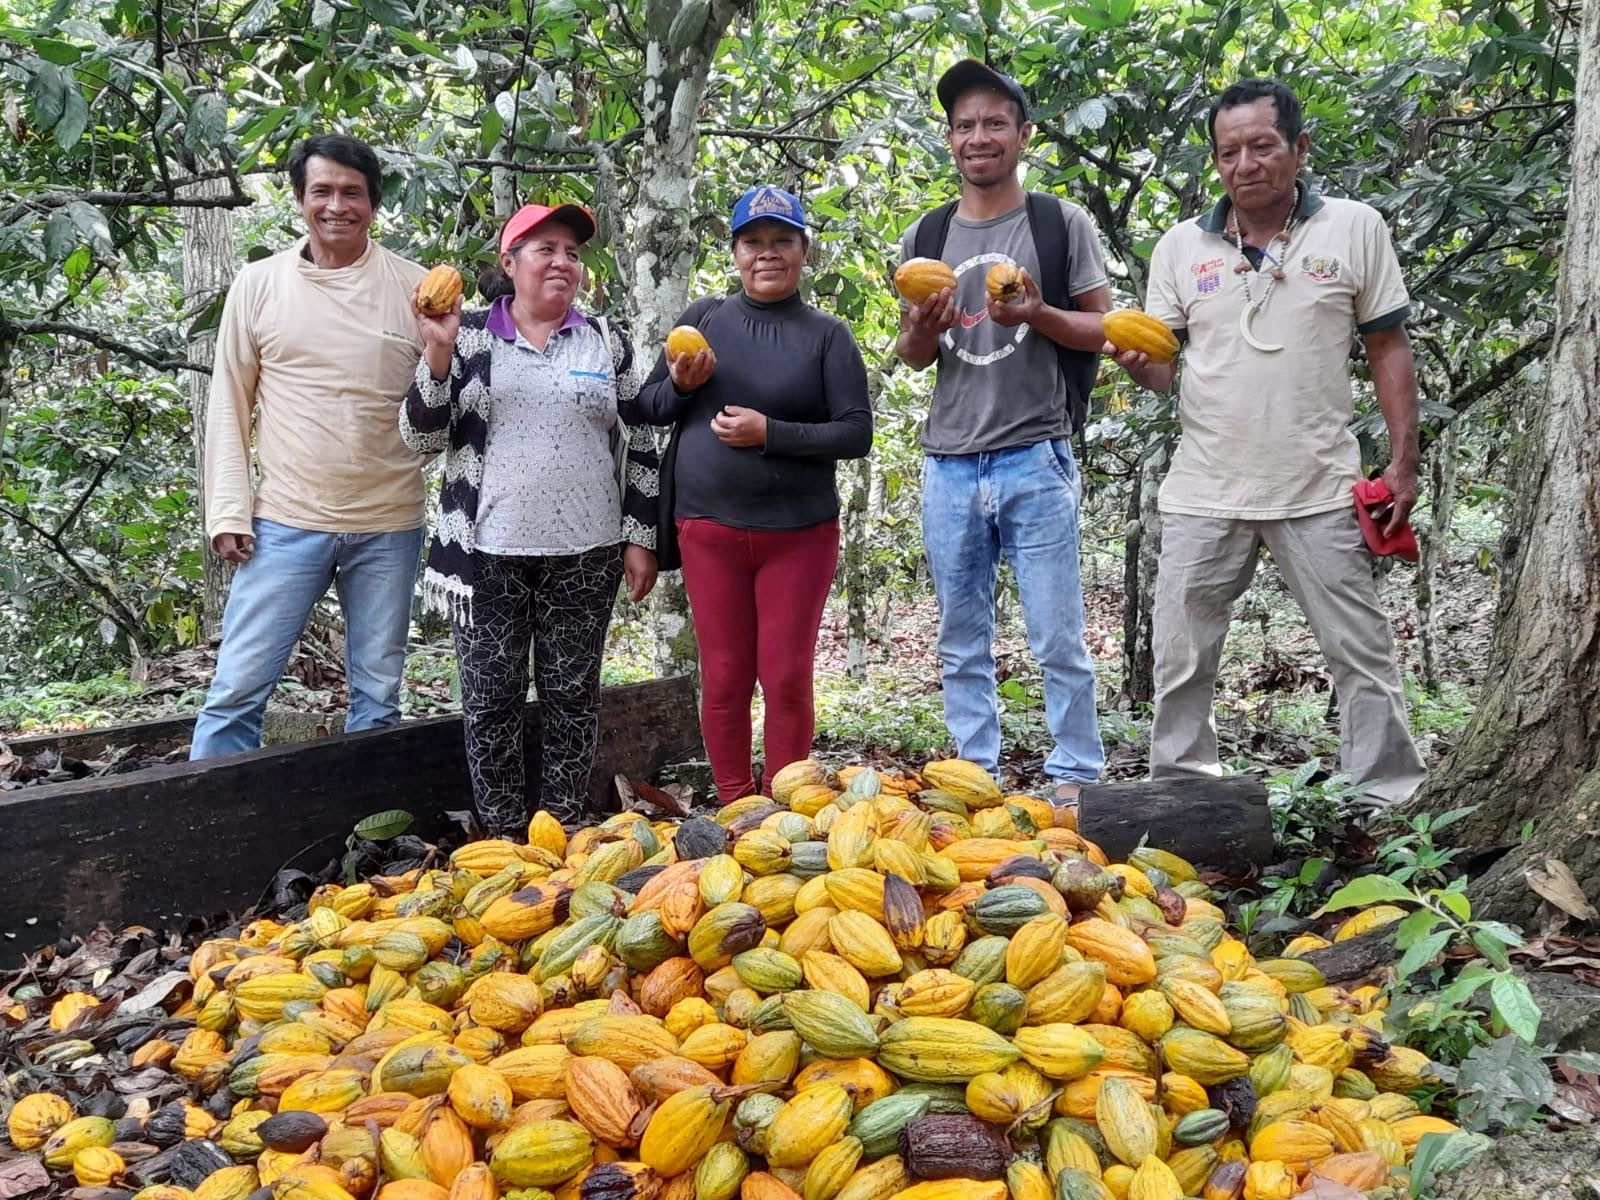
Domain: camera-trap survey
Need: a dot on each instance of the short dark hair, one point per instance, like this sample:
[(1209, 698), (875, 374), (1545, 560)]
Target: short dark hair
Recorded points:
[(1291, 121), (347, 152)]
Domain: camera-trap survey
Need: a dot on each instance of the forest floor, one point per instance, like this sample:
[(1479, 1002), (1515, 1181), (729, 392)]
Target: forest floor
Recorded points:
[(1272, 702)]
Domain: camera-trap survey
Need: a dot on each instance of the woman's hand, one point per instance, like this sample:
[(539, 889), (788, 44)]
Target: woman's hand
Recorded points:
[(735, 426), (689, 371), (639, 570), (438, 335)]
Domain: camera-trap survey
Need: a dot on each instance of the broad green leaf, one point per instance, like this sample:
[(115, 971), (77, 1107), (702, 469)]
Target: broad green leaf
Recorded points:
[(1491, 947), (47, 93), (1414, 928), (1439, 1153), (208, 123), (255, 18), (382, 826), (1457, 903), (1421, 953), (61, 53), (74, 118), (1365, 890), (1514, 1005)]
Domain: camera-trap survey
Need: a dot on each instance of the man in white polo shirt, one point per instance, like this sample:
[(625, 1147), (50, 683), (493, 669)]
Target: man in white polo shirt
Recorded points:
[(1267, 291)]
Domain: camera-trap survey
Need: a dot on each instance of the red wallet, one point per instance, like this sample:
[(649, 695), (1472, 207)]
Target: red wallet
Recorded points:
[(1371, 492)]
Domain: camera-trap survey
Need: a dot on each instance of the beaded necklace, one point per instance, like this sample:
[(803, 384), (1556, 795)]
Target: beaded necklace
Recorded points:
[(1244, 270)]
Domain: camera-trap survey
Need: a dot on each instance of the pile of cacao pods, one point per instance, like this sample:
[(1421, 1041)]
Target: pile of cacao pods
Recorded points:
[(871, 986)]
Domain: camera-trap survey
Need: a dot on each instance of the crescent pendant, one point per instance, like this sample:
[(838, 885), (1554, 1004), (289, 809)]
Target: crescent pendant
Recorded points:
[(1246, 316)]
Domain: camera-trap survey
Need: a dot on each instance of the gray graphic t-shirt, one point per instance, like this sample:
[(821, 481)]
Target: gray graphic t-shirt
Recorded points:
[(1001, 387)]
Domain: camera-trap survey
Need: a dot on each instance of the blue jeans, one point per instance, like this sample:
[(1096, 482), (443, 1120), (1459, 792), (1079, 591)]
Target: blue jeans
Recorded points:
[(1022, 503), (269, 603)]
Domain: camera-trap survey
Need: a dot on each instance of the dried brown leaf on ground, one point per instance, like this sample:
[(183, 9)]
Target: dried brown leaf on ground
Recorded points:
[(1554, 882), (22, 1177)]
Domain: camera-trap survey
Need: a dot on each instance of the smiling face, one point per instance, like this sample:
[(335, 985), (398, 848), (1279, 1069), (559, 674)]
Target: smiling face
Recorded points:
[(337, 211), (986, 136), (545, 269), (1257, 164), (770, 256)]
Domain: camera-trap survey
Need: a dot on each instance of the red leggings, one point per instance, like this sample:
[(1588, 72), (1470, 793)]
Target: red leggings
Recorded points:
[(757, 599)]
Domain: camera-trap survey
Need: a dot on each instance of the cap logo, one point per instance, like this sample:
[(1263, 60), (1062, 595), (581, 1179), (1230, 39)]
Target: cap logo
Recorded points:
[(768, 201)]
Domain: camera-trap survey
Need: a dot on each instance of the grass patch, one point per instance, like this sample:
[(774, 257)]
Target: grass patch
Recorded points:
[(74, 704)]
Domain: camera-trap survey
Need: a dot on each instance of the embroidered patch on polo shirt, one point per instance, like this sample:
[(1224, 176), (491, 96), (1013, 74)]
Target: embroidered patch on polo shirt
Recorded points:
[(1207, 276), (1323, 268)]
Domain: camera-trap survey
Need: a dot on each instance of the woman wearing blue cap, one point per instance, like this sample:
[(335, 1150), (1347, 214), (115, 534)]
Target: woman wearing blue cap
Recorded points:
[(534, 532), (759, 421)]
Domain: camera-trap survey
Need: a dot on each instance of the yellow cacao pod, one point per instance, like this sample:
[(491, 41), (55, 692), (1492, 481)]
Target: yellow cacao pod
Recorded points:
[(1125, 1121), (686, 339), (35, 1117), (541, 1154), (61, 1148), (101, 1166), (1131, 329)]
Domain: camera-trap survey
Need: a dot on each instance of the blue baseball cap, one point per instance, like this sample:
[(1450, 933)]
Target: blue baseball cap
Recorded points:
[(765, 202)]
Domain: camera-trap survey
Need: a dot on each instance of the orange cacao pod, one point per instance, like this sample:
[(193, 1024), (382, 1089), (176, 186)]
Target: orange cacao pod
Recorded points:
[(439, 291), (918, 278)]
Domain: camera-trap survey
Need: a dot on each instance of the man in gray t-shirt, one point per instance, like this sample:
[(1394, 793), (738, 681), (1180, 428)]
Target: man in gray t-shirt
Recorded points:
[(999, 477)]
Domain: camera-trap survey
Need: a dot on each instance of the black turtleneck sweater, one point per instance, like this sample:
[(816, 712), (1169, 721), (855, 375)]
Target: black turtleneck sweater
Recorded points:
[(802, 369)]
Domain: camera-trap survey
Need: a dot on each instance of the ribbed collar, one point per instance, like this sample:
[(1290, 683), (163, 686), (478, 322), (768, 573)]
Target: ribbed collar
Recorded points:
[(1215, 220), (501, 323)]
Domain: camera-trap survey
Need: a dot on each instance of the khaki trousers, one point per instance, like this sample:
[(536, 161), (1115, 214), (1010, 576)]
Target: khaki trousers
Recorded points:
[(1206, 564)]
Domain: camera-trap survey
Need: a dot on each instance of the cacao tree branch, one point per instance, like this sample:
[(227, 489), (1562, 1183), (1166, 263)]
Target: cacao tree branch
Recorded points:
[(577, 168), (768, 135), (148, 199), (93, 484), (149, 358), (844, 89), (119, 613), (1502, 372)]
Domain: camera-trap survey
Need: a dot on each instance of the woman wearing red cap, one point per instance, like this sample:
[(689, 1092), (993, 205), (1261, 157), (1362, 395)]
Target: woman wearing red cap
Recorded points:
[(534, 531), (759, 421)]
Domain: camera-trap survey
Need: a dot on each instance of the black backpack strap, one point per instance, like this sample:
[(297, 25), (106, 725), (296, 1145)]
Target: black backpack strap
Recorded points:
[(1078, 367), (932, 230)]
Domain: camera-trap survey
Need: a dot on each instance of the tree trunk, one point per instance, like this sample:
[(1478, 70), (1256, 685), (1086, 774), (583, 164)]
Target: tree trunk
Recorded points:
[(854, 566), (1435, 548), (207, 272), (663, 243), (1140, 556), (1532, 749), (8, 383)]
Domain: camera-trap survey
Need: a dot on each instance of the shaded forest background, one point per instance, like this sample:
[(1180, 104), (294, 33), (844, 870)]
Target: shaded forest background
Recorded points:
[(142, 162)]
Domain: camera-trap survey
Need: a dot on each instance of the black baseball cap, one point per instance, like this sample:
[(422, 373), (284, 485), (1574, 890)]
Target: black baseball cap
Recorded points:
[(969, 73)]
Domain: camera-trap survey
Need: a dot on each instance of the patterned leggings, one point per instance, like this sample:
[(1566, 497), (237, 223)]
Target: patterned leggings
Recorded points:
[(561, 605)]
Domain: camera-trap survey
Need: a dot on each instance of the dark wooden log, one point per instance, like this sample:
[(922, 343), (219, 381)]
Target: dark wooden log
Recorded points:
[(169, 843), (160, 736), (1220, 823), (1358, 960), (142, 739)]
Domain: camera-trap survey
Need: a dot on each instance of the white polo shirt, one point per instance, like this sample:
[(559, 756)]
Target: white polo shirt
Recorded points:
[(1266, 435)]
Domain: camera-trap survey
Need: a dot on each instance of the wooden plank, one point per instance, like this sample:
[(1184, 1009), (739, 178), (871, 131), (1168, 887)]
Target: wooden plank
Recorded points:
[(1221, 823), (170, 843)]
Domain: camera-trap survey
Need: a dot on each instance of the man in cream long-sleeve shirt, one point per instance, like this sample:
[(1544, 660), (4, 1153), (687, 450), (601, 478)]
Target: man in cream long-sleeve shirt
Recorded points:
[(316, 348)]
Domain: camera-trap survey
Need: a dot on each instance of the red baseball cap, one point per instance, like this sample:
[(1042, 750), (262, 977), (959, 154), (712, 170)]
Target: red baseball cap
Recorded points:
[(1375, 492), (530, 216)]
